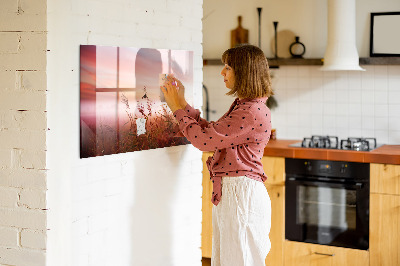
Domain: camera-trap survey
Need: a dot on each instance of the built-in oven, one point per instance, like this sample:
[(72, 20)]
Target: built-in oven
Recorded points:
[(327, 202)]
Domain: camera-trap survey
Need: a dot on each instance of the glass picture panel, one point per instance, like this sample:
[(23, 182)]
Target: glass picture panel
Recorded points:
[(122, 108)]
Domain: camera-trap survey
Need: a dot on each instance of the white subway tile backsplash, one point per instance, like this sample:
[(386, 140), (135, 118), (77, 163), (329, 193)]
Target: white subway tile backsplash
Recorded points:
[(355, 132), (342, 81), (347, 103), (382, 123), (328, 74), (355, 122), (316, 72), (381, 110), (367, 110), (329, 109), (368, 123), (329, 93), (292, 82), (367, 133), (394, 137), (354, 86), (293, 120), (381, 97), (380, 71), (394, 110), (381, 84), (303, 82), (316, 82), (291, 71), (381, 136), (369, 70), (367, 96), (355, 96), (342, 122), (329, 123), (304, 72), (278, 83), (304, 109), (394, 97), (304, 95), (355, 109), (317, 95), (394, 123), (342, 109), (394, 83), (342, 96)]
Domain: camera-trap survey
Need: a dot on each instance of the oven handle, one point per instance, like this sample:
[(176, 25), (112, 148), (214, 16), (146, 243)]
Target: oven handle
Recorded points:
[(357, 185)]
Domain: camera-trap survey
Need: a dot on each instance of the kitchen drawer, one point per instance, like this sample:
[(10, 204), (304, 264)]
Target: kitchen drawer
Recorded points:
[(305, 254)]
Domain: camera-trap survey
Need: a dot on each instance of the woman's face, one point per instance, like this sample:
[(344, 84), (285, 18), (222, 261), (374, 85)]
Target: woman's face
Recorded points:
[(229, 76)]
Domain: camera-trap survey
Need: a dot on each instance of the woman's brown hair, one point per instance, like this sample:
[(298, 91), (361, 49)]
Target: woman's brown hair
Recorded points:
[(250, 66)]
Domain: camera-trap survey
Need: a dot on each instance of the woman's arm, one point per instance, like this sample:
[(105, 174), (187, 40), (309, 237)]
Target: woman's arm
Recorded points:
[(239, 127)]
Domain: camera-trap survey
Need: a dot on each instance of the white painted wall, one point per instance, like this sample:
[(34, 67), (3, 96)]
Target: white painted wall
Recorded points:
[(306, 19), (140, 208), (23, 133), (344, 103)]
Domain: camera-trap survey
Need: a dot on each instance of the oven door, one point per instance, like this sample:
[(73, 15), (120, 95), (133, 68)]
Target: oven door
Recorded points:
[(327, 213)]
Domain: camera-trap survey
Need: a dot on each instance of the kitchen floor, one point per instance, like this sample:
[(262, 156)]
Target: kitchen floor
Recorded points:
[(206, 261)]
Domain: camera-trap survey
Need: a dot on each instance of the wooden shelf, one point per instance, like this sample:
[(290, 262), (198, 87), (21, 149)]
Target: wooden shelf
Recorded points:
[(274, 63), (380, 61)]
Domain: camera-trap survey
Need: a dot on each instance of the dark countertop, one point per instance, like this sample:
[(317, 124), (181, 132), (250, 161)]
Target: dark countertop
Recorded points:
[(389, 154)]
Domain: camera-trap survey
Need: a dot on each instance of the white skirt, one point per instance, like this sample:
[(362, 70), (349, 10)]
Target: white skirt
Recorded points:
[(241, 223)]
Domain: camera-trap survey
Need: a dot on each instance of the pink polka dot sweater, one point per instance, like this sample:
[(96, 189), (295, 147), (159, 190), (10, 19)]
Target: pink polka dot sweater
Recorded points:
[(238, 140)]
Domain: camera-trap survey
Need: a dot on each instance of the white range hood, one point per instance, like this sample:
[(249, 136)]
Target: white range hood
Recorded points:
[(341, 51)]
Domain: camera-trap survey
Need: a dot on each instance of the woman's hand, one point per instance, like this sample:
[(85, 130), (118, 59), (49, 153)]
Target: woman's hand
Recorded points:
[(172, 95), (181, 92)]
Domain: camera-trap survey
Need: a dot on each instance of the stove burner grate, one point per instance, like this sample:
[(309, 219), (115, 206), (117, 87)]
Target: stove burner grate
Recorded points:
[(358, 144), (332, 142)]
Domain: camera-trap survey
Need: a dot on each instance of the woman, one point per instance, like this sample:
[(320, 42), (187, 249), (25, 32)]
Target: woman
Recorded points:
[(242, 211)]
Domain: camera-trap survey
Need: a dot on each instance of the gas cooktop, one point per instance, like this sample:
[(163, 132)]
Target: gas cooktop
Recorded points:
[(332, 142)]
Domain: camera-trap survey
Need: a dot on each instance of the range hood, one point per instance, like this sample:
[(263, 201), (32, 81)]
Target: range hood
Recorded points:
[(341, 51)]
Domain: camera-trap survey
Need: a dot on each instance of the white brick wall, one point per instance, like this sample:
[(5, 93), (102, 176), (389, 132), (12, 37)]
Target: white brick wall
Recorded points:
[(23, 132), (140, 208), (113, 210)]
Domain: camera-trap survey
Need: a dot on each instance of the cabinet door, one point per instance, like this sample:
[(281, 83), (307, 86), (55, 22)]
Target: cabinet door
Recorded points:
[(277, 233), (274, 168), (385, 178), (206, 226), (384, 230), (304, 254)]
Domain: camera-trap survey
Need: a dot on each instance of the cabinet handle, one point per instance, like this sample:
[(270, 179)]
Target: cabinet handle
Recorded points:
[(324, 254)]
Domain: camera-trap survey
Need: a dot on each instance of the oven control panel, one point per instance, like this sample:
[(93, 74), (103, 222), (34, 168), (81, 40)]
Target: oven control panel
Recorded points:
[(337, 169)]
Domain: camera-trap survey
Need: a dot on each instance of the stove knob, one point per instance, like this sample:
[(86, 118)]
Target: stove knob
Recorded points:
[(308, 166), (343, 168)]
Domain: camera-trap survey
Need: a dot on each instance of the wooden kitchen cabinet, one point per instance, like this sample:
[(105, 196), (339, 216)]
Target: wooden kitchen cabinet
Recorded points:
[(277, 233), (385, 215), (385, 178), (274, 168), (305, 254)]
